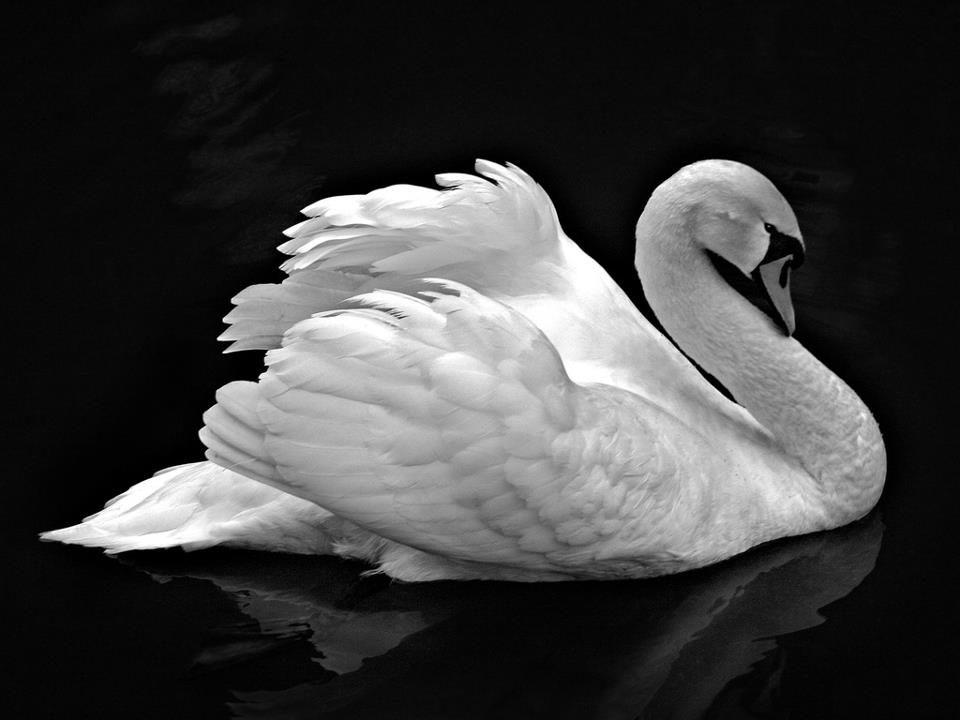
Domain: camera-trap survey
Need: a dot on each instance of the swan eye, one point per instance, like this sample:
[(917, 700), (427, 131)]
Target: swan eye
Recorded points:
[(770, 228)]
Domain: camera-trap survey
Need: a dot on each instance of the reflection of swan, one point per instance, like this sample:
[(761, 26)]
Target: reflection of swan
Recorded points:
[(664, 648), (293, 597), (535, 426)]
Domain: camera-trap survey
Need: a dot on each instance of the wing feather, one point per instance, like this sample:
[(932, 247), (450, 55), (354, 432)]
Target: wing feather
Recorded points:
[(447, 423), (475, 230)]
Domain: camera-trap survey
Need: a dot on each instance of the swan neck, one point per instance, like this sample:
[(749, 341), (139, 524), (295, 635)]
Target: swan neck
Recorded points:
[(813, 415)]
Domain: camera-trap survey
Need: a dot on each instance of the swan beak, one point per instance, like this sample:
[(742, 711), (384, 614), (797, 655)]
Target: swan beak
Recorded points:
[(774, 280)]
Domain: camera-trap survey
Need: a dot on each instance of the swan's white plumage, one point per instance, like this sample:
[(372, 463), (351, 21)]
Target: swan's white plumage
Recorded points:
[(515, 419)]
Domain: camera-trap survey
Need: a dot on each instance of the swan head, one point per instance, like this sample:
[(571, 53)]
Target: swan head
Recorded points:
[(738, 218)]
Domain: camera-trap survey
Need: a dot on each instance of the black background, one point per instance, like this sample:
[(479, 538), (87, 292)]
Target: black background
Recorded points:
[(157, 149)]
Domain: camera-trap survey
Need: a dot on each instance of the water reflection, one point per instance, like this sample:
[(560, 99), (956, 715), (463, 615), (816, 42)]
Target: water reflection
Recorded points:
[(670, 647)]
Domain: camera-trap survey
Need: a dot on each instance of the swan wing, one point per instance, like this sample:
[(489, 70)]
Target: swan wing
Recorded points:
[(496, 232), (446, 422), (478, 229)]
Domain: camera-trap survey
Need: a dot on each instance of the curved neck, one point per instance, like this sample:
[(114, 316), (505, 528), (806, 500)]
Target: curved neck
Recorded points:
[(814, 416)]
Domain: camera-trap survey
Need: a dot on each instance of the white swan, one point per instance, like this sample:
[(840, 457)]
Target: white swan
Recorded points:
[(519, 418)]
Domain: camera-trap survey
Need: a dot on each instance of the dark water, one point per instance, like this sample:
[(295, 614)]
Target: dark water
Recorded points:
[(158, 149)]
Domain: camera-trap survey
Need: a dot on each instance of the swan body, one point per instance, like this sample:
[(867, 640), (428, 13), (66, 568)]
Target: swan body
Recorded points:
[(454, 390)]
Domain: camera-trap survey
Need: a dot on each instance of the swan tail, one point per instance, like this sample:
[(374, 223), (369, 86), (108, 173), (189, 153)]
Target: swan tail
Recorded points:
[(475, 230), (199, 505)]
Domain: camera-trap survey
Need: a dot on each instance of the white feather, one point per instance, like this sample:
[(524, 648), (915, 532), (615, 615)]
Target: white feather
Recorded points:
[(455, 390)]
